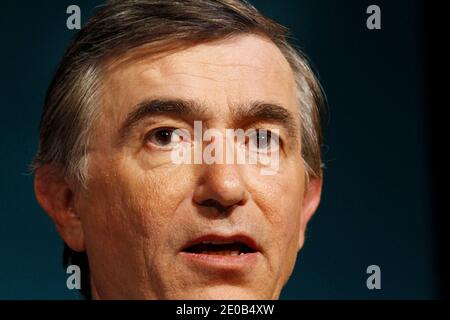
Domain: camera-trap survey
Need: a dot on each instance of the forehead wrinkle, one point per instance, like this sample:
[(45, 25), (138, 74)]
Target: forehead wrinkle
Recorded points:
[(259, 54), (192, 75), (214, 68)]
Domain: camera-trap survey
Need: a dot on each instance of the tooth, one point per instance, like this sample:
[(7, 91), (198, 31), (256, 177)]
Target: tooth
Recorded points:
[(222, 253)]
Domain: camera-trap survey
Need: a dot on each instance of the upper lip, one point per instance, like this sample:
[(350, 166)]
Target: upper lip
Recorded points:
[(242, 238)]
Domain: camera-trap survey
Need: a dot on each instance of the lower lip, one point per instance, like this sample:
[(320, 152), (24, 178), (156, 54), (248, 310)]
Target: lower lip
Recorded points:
[(222, 262)]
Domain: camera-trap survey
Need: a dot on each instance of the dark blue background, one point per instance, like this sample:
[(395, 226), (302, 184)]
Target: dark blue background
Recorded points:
[(376, 205)]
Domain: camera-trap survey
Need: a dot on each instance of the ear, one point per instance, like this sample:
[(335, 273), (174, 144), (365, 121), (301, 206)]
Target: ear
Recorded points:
[(56, 197), (311, 200)]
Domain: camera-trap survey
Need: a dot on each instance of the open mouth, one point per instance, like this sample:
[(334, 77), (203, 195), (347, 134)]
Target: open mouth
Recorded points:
[(231, 248), (215, 245), (238, 254)]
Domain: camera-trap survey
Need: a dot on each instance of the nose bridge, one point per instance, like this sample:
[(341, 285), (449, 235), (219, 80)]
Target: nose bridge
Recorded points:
[(222, 183)]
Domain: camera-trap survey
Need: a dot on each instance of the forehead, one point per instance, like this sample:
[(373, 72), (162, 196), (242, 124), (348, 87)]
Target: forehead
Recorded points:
[(220, 74)]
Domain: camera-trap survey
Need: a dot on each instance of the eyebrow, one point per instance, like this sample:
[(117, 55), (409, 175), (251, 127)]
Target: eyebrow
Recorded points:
[(153, 107), (180, 108), (271, 112)]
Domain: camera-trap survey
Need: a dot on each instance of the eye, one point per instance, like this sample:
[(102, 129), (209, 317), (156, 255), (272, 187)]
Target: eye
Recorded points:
[(164, 137), (263, 140)]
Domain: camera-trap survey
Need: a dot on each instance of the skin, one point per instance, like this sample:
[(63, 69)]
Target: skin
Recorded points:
[(139, 208)]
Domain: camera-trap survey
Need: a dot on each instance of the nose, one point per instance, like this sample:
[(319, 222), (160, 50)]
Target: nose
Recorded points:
[(220, 187)]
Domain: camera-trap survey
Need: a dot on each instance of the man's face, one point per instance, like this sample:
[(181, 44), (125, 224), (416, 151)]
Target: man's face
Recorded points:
[(144, 218)]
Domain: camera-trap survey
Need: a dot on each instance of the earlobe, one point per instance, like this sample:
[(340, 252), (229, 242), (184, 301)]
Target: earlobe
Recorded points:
[(56, 197)]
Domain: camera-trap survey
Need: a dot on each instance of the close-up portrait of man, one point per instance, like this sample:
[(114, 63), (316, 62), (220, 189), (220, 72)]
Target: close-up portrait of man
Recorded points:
[(130, 91), (210, 151)]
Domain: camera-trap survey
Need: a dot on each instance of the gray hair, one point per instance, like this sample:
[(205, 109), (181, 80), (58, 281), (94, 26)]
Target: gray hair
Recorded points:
[(71, 105)]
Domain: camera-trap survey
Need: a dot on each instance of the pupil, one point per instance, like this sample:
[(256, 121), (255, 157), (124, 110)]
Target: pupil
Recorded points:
[(262, 141), (164, 137)]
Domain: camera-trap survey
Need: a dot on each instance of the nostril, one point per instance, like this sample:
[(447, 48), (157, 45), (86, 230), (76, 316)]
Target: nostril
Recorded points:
[(216, 205)]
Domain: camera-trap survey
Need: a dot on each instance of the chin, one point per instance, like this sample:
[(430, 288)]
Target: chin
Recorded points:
[(226, 292)]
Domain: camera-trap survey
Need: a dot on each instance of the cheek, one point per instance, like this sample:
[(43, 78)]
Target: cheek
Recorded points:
[(286, 214), (127, 209), (279, 197)]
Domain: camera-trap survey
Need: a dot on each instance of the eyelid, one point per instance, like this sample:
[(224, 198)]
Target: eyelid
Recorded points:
[(148, 134), (272, 133), (160, 122)]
